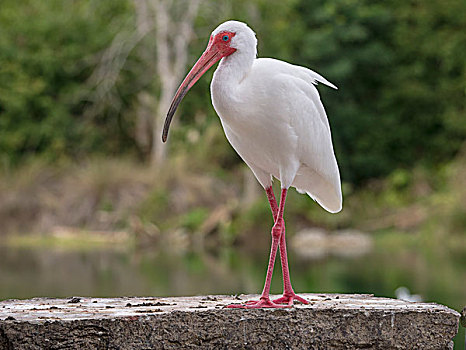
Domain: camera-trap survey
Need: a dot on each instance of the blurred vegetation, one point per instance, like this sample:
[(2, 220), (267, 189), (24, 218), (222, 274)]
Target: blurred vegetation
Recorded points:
[(398, 120), (47, 52), (70, 159), (399, 65)]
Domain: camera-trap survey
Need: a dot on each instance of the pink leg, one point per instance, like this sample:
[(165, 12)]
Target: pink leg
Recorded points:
[(288, 294), (264, 300)]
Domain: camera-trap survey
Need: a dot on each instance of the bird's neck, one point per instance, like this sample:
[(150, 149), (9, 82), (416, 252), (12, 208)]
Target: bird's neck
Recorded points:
[(228, 78), (234, 68)]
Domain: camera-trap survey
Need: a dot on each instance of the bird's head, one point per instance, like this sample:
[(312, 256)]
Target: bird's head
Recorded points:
[(243, 39), (228, 38)]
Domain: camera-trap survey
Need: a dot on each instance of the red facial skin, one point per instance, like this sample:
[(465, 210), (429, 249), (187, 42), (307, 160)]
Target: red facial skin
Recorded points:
[(222, 46), (217, 48)]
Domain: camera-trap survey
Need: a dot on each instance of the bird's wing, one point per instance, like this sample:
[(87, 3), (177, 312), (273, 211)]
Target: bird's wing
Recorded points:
[(302, 72), (285, 71), (318, 175), (312, 77)]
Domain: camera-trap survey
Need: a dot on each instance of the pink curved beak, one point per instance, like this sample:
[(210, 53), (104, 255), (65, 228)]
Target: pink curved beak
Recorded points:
[(210, 56)]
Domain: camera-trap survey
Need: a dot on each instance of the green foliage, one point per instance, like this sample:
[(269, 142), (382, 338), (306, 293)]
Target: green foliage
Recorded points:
[(155, 207), (428, 88), (47, 50), (194, 219), (401, 73), (399, 67)]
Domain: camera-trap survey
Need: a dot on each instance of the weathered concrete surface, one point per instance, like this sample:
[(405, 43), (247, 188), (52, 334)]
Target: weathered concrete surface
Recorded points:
[(330, 322)]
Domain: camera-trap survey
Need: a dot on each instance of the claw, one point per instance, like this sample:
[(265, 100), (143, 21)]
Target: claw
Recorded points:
[(261, 303), (289, 299)]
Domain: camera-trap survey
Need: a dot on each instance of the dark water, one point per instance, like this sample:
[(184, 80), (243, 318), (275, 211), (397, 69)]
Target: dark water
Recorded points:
[(437, 273)]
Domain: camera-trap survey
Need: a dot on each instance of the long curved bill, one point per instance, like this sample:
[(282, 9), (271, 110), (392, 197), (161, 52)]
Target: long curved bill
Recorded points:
[(210, 56)]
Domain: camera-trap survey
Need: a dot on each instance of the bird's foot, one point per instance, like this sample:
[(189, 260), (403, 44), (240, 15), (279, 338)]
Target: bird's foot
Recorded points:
[(288, 299), (263, 302)]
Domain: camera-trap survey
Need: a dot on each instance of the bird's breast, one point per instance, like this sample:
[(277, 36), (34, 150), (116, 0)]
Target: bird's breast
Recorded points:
[(235, 107), (235, 99), (224, 93), (250, 126)]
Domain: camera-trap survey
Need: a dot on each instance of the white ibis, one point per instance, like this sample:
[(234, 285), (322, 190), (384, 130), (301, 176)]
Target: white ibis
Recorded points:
[(273, 117)]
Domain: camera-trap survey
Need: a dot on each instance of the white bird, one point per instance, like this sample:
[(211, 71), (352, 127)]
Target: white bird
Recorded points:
[(403, 293), (273, 117)]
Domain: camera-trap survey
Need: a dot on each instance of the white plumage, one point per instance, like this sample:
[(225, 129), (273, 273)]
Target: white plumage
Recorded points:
[(273, 117)]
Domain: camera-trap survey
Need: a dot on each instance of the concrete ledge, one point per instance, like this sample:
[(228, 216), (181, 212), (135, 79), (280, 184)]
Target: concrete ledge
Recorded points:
[(331, 321)]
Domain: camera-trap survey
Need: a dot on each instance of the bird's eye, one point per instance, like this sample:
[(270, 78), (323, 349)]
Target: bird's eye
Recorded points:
[(225, 38)]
